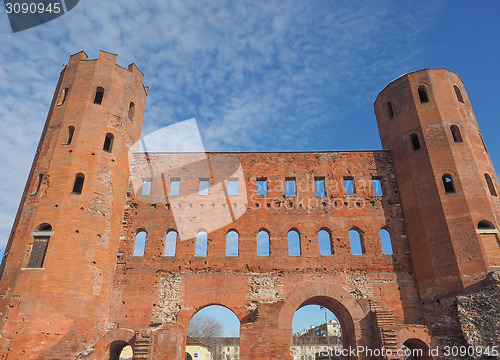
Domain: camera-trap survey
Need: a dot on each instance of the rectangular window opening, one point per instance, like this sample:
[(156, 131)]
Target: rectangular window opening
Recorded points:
[(349, 185), (262, 186), (319, 184), (291, 187), (204, 185), (175, 187), (232, 187), (377, 187), (146, 187)]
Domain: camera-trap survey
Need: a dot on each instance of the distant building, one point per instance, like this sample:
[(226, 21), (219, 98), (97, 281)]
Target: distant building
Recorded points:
[(315, 342), (197, 350), (224, 348)]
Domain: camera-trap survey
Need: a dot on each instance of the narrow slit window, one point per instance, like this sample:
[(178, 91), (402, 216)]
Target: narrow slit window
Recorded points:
[(459, 94), (262, 186), (491, 187), (146, 187), (204, 186), (170, 243), (390, 110), (290, 187), (175, 187), (232, 244), (415, 142), (99, 94), (78, 185), (356, 241), (263, 243), (201, 244), (39, 246), (232, 187), (448, 184), (319, 184), (108, 142), (385, 240), (71, 132), (38, 184), (455, 132), (484, 145), (131, 111), (140, 243), (325, 243), (293, 243), (422, 94), (62, 98), (377, 187), (349, 185)]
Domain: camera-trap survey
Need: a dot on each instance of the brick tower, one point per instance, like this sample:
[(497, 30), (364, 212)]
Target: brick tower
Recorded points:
[(447, 184), (65, 237)]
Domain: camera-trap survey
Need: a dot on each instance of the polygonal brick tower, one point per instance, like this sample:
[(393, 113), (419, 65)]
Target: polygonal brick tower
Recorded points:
[(60, 258)]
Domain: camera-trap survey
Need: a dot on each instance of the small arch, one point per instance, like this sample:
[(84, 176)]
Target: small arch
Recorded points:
[(356, 241), (459, 94), (71, 132), (120, 350), (99, 94), (170, 243), (325, 242), (385, 241), (232, 243), (416, 349), (415, 142), (422, 94), (390, 110), (449, 187), (62, 97), (78, 185), (108, 142), (293, 243), (44, 227), (455, 132), (140, 242), (131, 111), (201, 243), (491, 187), (485, 224), (188, 356), (263, 248)]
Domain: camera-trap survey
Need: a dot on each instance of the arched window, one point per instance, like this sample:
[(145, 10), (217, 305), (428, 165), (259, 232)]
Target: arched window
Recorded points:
[(485, 225), (99, 94), (422, 94), (131, 111), (415, 142), (325, 243), (356, 241), (232, 243), (293, 243), (62, 97), (41, 239), (108, 142), (455, 132), (448, 184), (78, 185), (38, 184), (140, 243), (385, 240), (71, 131), (458, 93), (201, 244), (170, 243), (491, 187), (390, 110), (263, 243)]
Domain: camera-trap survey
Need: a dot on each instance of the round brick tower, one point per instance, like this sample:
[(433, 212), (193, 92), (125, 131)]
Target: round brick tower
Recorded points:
[(447, 183), (62, 251)]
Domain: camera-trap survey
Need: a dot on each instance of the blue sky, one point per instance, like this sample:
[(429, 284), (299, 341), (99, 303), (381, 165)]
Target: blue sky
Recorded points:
[(274, 75)]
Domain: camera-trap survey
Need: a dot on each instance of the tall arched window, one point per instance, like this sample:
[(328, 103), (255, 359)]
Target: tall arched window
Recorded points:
[(108, 142), (99, 94), (201, 244), (325, 243), (41, 239), (356, 241), (140, 243), (293, 243), (263, 243), (422, 94), (415, 143), (491, 187), (62, 97), (385, 240), (458, 93), (170, 243), (449, 187), (71, 132), (455, 132), (78, 185), (232, 243), (131, 111)]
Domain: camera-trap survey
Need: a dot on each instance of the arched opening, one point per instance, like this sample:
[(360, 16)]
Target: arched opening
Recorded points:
[(325, 243), (356, 241), (415, 143), (188, 355), (121, 350), (448, 184), (201, 243), (422, 94), (491, 187), (385, 240), (38, 185), (415, 349), (458, 93), (131, 111), (108, 142), (62, 97), (39, 247), (71, 132), (170, 243), (78, 185), (232, 243), (293, 243), (99, 94), (263, 248), (484, 224), (214, 333), (490, 243), (455, 132), (140, 243), (390, 110)]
